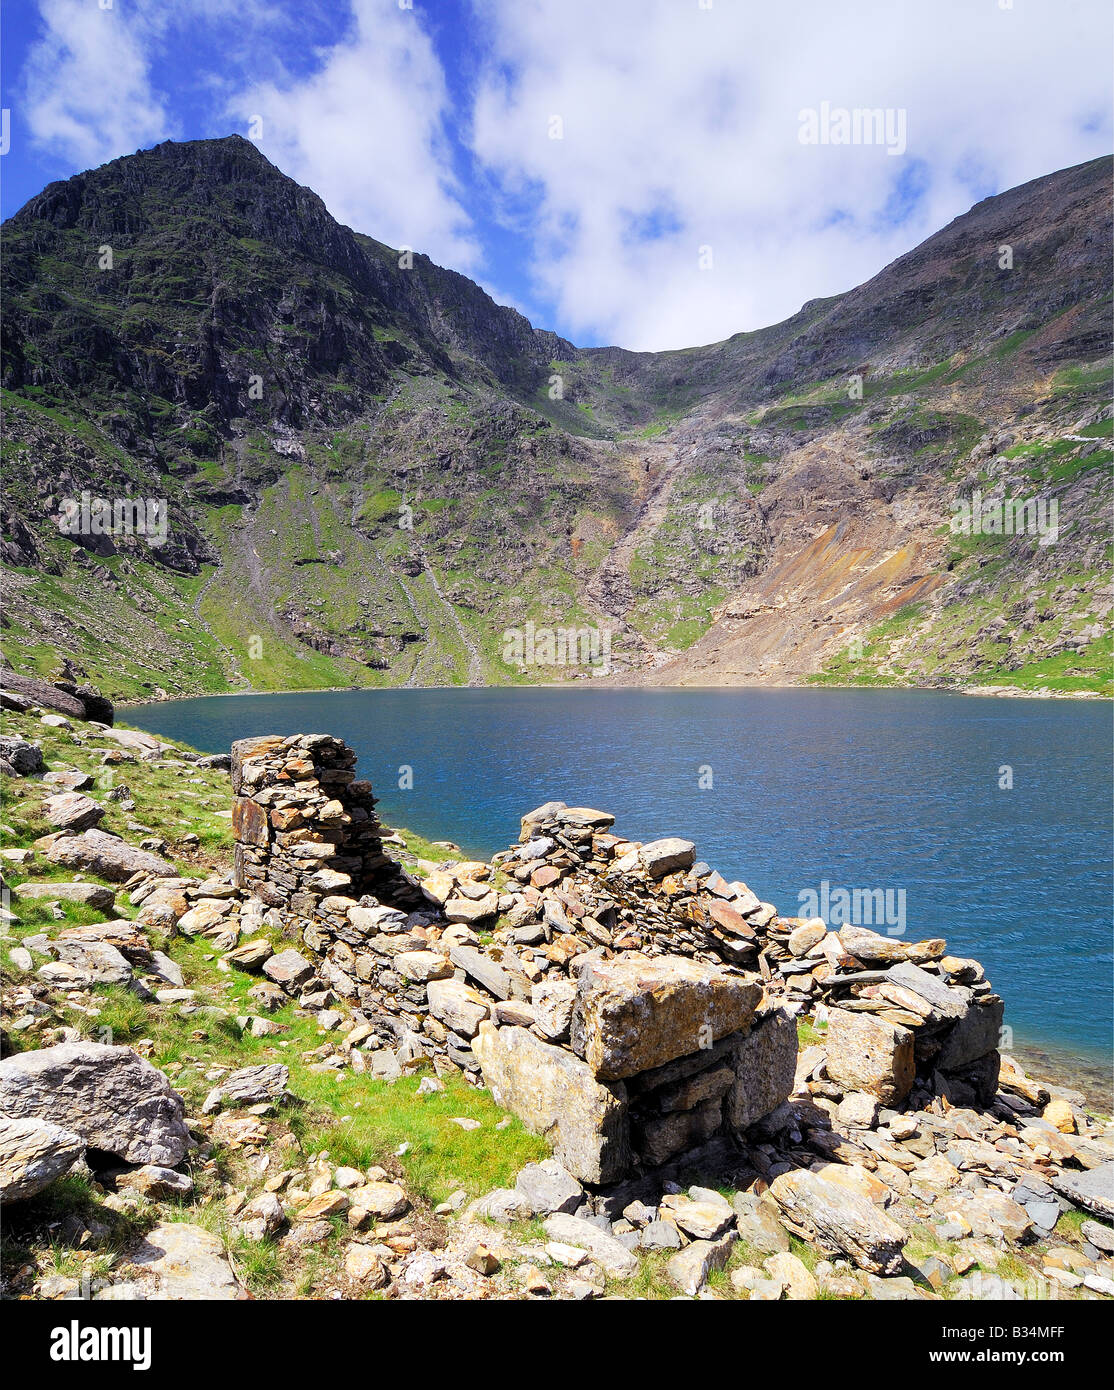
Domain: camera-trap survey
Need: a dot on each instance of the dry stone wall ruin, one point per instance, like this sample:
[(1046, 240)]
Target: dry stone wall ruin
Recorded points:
[(625, 1001), (622, 1059)]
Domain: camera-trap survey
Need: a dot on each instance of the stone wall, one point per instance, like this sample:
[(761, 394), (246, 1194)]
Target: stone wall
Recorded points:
[(305, 828), (623, 999), (624, 1058), (661, 1055)]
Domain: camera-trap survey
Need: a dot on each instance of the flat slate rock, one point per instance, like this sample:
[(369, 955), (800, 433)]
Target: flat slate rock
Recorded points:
[(33, 1154), (179, 1262), (1092, 1190), (107, 856)]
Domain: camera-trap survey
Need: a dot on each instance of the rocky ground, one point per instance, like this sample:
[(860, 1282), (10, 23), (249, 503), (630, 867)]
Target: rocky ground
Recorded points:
[(199, 1102)]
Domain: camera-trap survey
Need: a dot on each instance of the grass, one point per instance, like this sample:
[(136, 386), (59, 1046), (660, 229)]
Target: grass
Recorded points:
[(356, 1118)]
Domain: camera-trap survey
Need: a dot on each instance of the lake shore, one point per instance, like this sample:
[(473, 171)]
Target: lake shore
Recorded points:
[(476, 760), (1004, 692)]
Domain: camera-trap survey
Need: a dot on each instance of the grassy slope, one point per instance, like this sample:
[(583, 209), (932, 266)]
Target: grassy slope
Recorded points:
[(355, 1119)]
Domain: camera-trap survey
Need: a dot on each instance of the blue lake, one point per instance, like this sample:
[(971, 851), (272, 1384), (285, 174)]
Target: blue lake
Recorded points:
[(786, 789)]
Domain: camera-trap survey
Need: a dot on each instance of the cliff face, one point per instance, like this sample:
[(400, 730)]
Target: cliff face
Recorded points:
[(372, 471)]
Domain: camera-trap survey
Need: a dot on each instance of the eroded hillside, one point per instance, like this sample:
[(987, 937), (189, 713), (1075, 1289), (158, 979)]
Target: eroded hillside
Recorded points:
[(372, 473)]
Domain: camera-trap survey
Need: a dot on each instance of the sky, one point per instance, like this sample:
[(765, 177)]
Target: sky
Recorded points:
[(649, 173)]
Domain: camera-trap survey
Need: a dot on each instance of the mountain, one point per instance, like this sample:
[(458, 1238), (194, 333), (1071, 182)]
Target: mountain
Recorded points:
[(370, 473)]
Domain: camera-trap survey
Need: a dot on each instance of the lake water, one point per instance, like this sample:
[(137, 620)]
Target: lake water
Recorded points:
[(786, 789)]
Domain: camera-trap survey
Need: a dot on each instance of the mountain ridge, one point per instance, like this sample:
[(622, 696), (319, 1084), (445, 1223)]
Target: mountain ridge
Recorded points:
[(372, 475)]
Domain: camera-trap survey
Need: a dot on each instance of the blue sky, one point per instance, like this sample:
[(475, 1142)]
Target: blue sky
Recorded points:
[(628, 171)]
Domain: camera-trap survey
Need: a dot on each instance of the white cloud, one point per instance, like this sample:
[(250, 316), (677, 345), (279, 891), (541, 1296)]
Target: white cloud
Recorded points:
[(365, 132), (690, 116), (86, 87)]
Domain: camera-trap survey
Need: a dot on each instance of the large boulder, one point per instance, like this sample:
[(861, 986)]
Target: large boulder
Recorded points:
[(110, 1096), (25, 759), (839, 1221), (765, 1064), (635, 1012), (661, 857), (177, 1261), (33, 1154), (555, 1095), (45, 694), (107, 856), (868, 1053)]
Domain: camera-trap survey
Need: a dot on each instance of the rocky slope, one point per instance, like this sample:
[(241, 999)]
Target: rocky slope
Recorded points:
[(372, 472)]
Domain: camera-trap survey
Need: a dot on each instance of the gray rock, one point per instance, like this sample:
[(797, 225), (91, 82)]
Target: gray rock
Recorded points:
[(867, 1053), (99, 961), (608, 1252), (549, 1188), (72, 811), (555, 1094), (177, 1261), (457, 1005), (254, 1085), (839, 1220), (637, 1012), (1044, 1215), (690, 1267), (107, 856), (974, 1035), (661, 857), (109, 1096), (983, 1286), (25, 759), (553, 1002), (94, 895), (166, 969), (660, 1235), (289, 968), (896, 1290), (947, 1001), (33, 1154), (759, 1224), (483, 970), (1101, 1237), (765, 1063), (1092, 1190), (536, 849), (69, 779), (504, 1205)]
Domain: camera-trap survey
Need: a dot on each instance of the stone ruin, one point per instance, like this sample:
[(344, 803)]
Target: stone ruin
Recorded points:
[(305, 828), (625, 1001), (621, 1059)]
